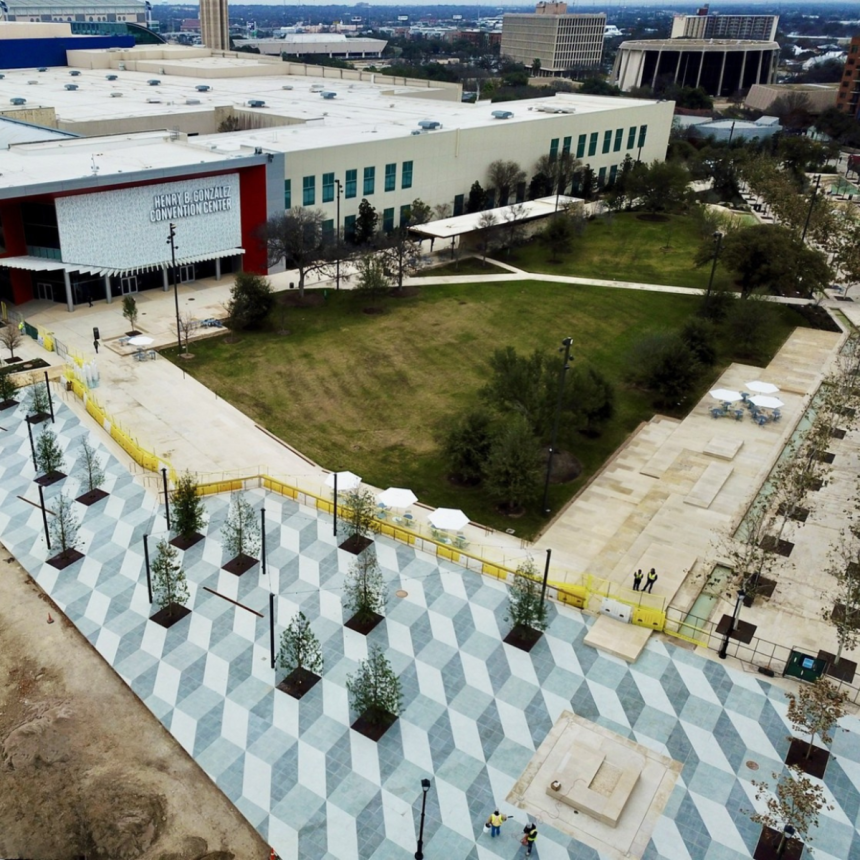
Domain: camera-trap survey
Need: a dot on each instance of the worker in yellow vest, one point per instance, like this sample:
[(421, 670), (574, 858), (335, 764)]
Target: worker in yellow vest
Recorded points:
[(495, 821), (529, 838)]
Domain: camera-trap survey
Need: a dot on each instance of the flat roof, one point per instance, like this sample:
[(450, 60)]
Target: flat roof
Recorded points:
[(686, 44)]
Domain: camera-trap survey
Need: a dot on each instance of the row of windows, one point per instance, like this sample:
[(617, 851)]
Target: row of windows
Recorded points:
[(350, 185), (612, 142)]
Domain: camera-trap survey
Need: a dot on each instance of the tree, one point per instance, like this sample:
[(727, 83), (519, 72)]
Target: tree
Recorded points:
[(129, 311), (540, 186), (64, 527), (744, 552), (419, 212), (8, 389), (10, 337), (598, 86), (560, 169), (360, 516), (372, 280), (90, 467), (525, 607), (477, 199), (169, 586), (514, 224), (485, 234), (844, 567), (795, 804), (442, 211), (815, 710), (49, 456), (659, 187), (300, 648), (374, 688), (364, 588), (188, 509), (38, 398), (251, 300), (663, 363), (793, 109), (751, 322), (592, 399), (401, 255), (700, 336), (557, 236), (520, 384), (187, 324), (467, 445), (586, 182), (514, 464), (505, 176), (366, 222), (241, 532), (296, 239)]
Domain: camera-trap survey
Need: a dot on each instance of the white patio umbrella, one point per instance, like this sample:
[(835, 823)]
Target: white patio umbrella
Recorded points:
[(397, 497), (346, 481), (762, 387), (766, 402), (448, 519), (140, 340), (726, 394)]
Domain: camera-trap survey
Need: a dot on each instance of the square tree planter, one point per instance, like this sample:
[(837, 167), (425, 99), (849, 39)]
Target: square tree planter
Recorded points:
[(522, 637), (184, 542), (299, 682), (374, 724), (91, 497), (64, 559), (170, 614), (768, 843), (50, 478), (38, 417), (7, 404), (364, 625), (239, 565), (815, 765), (356, 544)]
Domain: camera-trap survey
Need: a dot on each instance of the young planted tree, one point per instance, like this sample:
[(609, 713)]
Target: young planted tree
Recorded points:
[(359, 518), (38, 398), (844, 614), (300, 655), (375, 691), (241, 535), (129, 311), (169, 587), (64, 529), (49, 455), (251, 300), (91, 472), (557, 236), (372, 281), (401, 254), (11, 337), (514, 464), (187, 324), (514, 225), (745, 555), (815, 710), (188, 512), (365, 592), (792, 807), (8, 390), (485, 234), (525, 607)]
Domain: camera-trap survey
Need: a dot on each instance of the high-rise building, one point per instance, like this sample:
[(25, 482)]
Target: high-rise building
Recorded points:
[(848, 99), (215, 24), (558, 41), (704, 25)]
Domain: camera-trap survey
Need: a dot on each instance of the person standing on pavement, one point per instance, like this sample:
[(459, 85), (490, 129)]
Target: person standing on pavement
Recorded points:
[(530, 837), (495, 821), (652, 578), (637, 579)]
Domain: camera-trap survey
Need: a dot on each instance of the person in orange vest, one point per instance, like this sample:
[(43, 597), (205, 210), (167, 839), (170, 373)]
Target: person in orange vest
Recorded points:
[(495, 822), (530, 837)]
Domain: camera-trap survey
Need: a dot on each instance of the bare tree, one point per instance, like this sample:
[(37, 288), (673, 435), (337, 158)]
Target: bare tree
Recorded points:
[(442, 210), (485, 233), (296, 239), (560, 171), (514, 225), (505, 176), (187, 324), (815, 710), (10, 337)]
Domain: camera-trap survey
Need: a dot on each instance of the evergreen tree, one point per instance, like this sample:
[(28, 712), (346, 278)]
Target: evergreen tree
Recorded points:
[(513, 467), (366, 222), (374, 688), (8, 389), (364, 588), (477, 199), (241, 531), (49, 457), (372, 280), (525, 608), (38, 400), (90, 467), (300, 648), (251, 300), (188, 508), (169, 586), (467, 444), (64, 527)]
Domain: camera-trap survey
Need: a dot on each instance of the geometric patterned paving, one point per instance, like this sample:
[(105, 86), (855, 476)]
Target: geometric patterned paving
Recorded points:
[(476, 709)]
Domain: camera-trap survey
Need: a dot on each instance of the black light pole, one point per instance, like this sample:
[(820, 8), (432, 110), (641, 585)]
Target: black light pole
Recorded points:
[(44, 516), (334, 509), (565, 347), (723, 652), (272, 627), (263, 536), (171, 241), (50, 400), (166, 497), (425, 787), (545, 577), (32, 446), (718, 242), (337, 242), (811, 206), (146, 562)]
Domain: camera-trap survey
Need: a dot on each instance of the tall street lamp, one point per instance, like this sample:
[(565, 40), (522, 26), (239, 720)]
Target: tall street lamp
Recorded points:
[(337, 239), (171, 240), (425, 787), (811, 207), (718, 244), (565, 348), (724, 648)]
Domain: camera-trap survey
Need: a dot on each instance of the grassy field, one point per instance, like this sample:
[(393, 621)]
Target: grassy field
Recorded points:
[(373, 393), (628, 249), (466, 266)]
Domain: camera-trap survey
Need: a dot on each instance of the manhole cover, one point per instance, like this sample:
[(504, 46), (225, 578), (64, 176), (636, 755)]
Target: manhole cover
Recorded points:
[(401, 593), (752, 765)]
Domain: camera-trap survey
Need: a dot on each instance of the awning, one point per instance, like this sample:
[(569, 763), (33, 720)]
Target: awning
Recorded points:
[(44, 264)]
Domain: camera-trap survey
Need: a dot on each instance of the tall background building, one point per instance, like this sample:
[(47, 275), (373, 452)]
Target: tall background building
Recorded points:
[(215, 24), (560, 42), (848, 99), (704, 25)]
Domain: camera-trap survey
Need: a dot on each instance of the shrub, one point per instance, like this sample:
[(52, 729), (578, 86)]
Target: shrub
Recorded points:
[(251, 300)]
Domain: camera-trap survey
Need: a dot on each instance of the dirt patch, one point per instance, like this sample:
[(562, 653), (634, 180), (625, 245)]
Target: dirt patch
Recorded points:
[(85, 769), (565, 467)]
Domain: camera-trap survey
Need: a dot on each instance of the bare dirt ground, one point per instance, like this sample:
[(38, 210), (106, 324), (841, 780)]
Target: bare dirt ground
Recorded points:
[(86, 771)]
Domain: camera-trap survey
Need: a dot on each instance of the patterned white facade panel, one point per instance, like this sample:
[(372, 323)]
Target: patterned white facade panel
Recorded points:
[(129, 228)]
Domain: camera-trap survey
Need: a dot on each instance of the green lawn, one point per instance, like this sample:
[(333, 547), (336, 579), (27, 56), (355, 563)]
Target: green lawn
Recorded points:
[(372, 393), (628, 249), (466, 266)]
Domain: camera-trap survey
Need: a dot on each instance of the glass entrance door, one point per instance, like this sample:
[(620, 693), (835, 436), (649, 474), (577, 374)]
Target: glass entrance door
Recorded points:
[(128, 285), (186, 274), (44, 291)]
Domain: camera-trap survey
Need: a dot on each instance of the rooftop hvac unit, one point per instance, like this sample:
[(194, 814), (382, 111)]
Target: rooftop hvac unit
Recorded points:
[(328, 95), (74, 73), (116, 95), (42, 69), (287, 87), (202, 88), (428, 124), (32, 83), (153, 101), (154, 82), (2, 76), (111, 77), (256, 103), (502, 114), (317, 88), (71, 86), (18, 101), (192, 101)]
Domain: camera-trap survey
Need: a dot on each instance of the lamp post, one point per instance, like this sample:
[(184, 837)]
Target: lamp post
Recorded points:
[(718, 243), (811, 206), (337, 242), (171, 241), (565, 348), (425, 787), (724, 648)]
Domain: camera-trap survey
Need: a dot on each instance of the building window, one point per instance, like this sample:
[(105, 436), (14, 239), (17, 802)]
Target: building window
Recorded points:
[(309, 191), (388, 220), (643, 131), (619, 139), (327, 228), (459, 204), (607, 140), (565, 150), (580, 145), (405, 214), (328, 187), (592, 143), (553, 149), (351, 184), (390, 177), (369, 180), (601, 177), (613, 174), (288, 195), (631, 137), (349, 228), (406, 175), (521, 192)]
